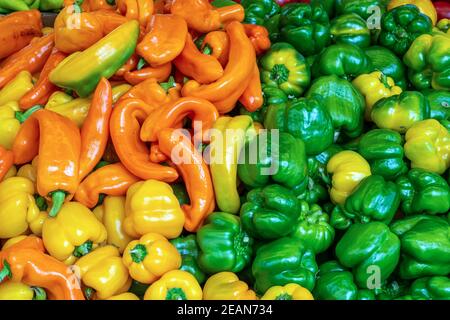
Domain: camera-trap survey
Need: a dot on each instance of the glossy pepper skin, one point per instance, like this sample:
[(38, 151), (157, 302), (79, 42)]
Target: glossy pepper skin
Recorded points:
[(283, 67), (259, 36), (160, 73), (175, 285), (219, 44), (350, 28), (9, 124), (291, 291), (150, 257), (103, 271), (362, 8), (223, 244), (366, 245), (259, 11), (140, 10), (72, 233), (270, 212), (152, 207), (383, 149), (425, 246), (16, 88), (82, 71), (188, 248), (10, 290), (423, 192), (428, 63), (439, 101), (227, 286), (425, 6), (252, 97), (431, 288), (283, 261), (400, 112), (427, 146)]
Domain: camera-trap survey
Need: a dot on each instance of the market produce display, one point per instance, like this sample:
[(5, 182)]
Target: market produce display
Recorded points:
[(225, 150)]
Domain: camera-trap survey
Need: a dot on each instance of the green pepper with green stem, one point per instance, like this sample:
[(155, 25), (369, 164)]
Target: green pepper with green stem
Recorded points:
[(188, 249), (439, 101), (350, 28), (431, 288), (364, 8), (259, 11), (313, 193)]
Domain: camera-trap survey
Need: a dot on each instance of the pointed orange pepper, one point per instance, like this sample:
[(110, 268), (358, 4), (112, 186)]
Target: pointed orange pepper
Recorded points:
[(6, 161), (228, 14), (153, 93), (140, 10), (160, 73), (217, 44), (252, 98), (259, 36), (130, 65)]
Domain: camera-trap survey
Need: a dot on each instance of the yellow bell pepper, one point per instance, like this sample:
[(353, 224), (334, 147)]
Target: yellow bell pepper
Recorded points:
[(112, 213), (151, 206), (10, 290), (74, 232), (175, 285), (12, 241), (425, 6), (124, 296), (16, 88), (9, 125), (375, 86), (291, 291), (150, 257), (348, 169), (428, 146), (29, 170), (227, 286), (103, 271), (12, 172)]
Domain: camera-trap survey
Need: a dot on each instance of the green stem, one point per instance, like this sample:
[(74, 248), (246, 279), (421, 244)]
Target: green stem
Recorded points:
[(138, 253), (6, 271), (384, 81), (111, 2), (23, 116), (142, 63), (58, 198), (279, 73), (89, 293), (77, 6), (101, 164), (284, 296), (169, 84), (83, 250), (207, 50), (39, 293), (176, 294), (40, 202)]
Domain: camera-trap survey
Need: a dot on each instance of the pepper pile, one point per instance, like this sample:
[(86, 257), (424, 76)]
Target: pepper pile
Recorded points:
[(321, 170)]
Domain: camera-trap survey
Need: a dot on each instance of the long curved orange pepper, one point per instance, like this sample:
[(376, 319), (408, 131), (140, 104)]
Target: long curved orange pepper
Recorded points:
[(170, 115), (199, 14), (196, 65), (252, 98), (218, 44), (238, 70), (95, 129), (160, 73), (57, 141), (127, 67), (6, 161), (30, 58), (259, 36), (112, 180), (26, 262), (18, 29), (231, 13), (134, 154), (228, 104), (195, 173), (43, 88), (153, 93), (165, 39), (140, 10)]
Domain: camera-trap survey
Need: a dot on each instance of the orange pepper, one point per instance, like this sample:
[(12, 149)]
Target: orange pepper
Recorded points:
[(18, 29), (140, 10), (109, 20), (201, 67), (30, 58), (43, 88), (95, 129), (165, 39), (25, 261), (259, 36), (199, 14), (160, 73), (228, 104), (95, 5), (252, 98), (57, 141), (236, 74), (127, 67), (231, 13), (152, 93), (84, 5), (112, 180), (126, 119), (195, 174), (218, 43), (6, 161)]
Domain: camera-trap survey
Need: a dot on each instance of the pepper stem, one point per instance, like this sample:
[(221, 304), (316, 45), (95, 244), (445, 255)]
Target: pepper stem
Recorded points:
[(279, 73), (169, 84), (176, 294), (101, 164), (58, 198), (141, 63), (77, 6), (284, 296), (40, 202), (39, 293), (138, 253), (89, 293), (384, 80), (207, 49), (6, 271), (111, 2), (23, 116), (83, 250)]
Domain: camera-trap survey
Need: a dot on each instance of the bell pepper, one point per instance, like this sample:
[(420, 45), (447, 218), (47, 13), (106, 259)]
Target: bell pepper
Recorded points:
[(343, 102), (259, 36), (29, 170), (383, 149), (423, 192), (425, 6), (374, 87), (175, 285), (223, 244), (427, 62), (82, 71), (140, 10), (291, 291), (217, 44), (26, 262), (350, 28), (160, 73), (425, 246), (348, 168), (189, 251), (400, 112), (439, 101), (112, 214), (313, 228), (11, 290), (9, 125), (334, 282), (103, 272), (74, 232), (150, 207), (150, 257), (443, 25), (227, 286), (227, 139), (362, 8), (259, 11), (15, 5), (431, 288), (283, 261), (427, 146), (124, 296), (50, 5)]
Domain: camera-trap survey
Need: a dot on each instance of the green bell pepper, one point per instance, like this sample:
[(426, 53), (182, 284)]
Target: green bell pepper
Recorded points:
[(284, 261), (428, 62), (401, 26), (328, 5), (371, 250), (423, 192), (304, 118), (360, 7), (223, 244), (188, 249), (425, 246), (314, 191), (350, 28), (259, 11), (14, 5), (286, 166), (431, 288), (81, 71), (393, 290), (283, 67), (383, 149), (344, 103), (313, 228), (51, 5), (439, 101)]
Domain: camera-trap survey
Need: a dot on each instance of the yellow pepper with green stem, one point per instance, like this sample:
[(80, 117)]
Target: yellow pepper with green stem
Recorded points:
[(227, 286), (16, 88), (11, 290), (291, 291), (175, 285)]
